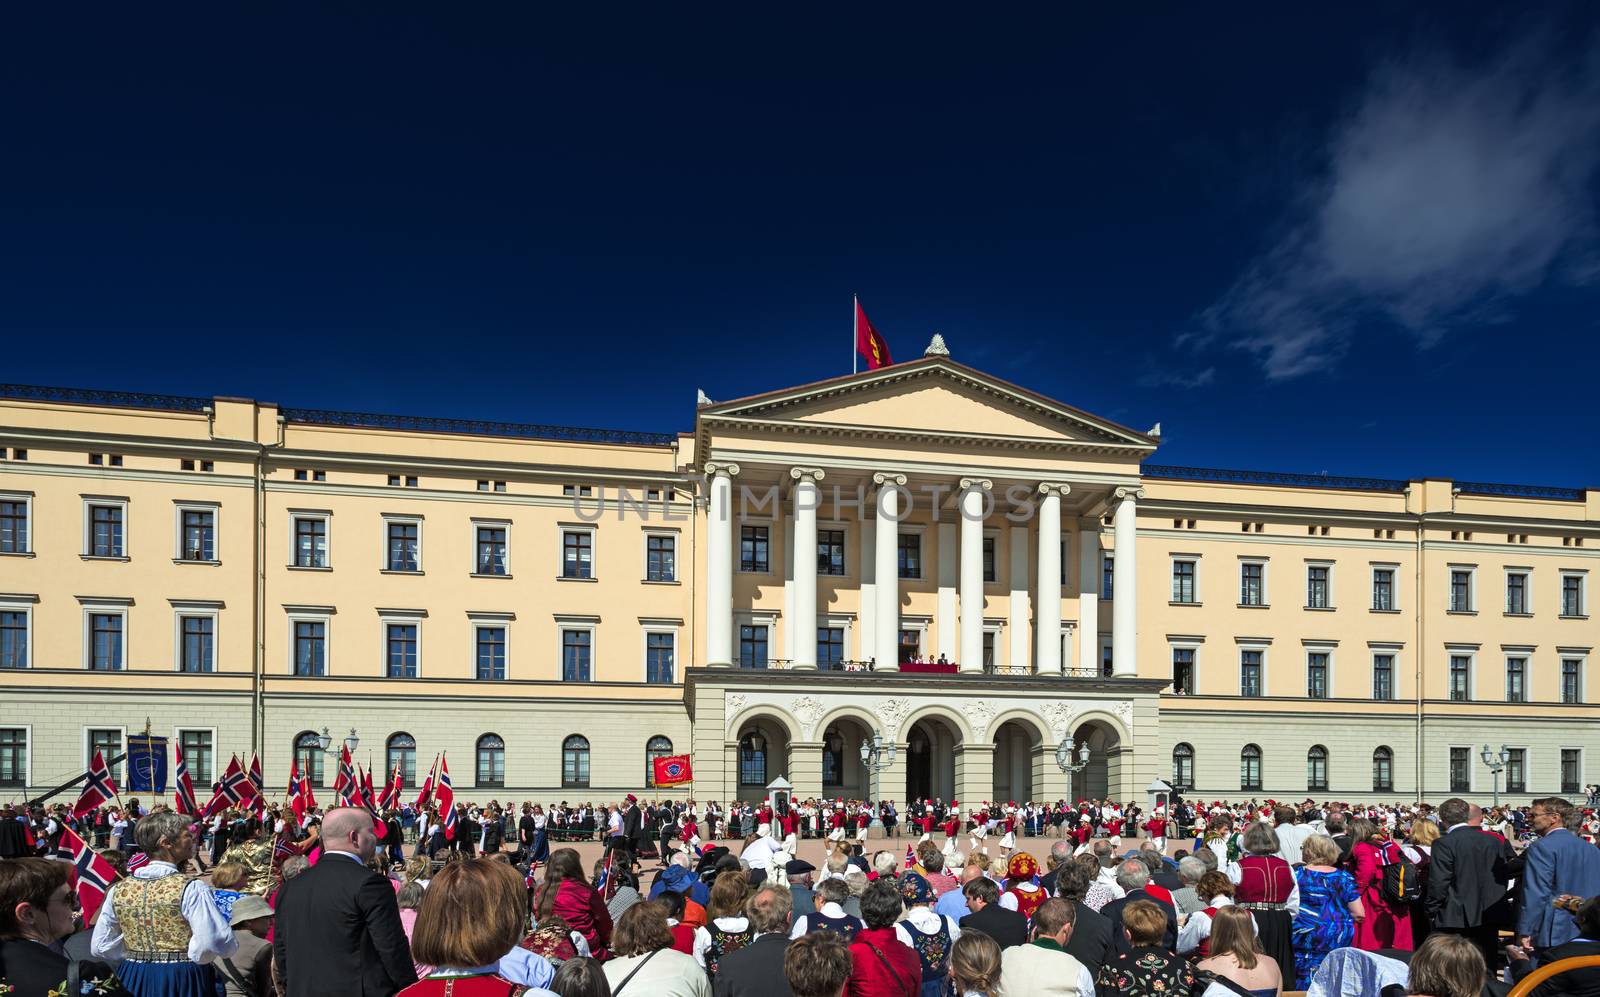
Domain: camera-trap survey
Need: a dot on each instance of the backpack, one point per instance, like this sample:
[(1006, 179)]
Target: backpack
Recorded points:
[(1402, 880)]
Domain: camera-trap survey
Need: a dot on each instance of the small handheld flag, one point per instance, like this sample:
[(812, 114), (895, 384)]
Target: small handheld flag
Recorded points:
[(98, 790), (94, 874)]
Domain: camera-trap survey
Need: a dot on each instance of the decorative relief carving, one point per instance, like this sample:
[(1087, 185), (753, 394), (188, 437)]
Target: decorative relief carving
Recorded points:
[(1058, 715), (979, 714), (733, 705), (892, 712), (1125, 714), (807, 710)]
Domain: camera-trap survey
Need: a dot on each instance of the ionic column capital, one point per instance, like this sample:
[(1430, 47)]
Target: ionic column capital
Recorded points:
[(721, 469), (978, 484), (882, 478), (812, 474), (1128, 492), (1060, 489)]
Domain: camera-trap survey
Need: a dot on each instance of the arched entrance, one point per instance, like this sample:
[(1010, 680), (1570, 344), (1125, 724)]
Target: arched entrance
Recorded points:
[(843, 775), (931, 760), (1015, 745), (1104, 775), (761, 755)]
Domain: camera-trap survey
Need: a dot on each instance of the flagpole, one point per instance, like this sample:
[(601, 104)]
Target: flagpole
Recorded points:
[(855, 332)]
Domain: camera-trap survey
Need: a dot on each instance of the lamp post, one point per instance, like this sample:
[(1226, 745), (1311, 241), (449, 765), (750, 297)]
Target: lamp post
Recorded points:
[(876, 755), (325, 741), (1064, 759), (1496, 764)]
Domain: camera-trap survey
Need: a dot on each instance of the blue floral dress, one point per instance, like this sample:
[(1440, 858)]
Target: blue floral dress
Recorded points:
[(1323, 922)]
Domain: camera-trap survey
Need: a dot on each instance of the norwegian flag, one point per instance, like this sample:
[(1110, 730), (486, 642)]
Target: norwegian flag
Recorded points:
[(183, 793), (99, 789), (232, 791), (426, 796), (257, 785), (297, 792), (369, 799), (447, 800), (390, 800), (345, 788), (95, 875)]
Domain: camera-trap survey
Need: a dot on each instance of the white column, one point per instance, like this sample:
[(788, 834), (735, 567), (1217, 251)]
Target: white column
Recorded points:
[(1089, 595), (784, 520), (973, 498), (868, 614), (1019, 597), (1048, 612), (1125, 601), (949, 561), (803, 624), (888, 580), (719, 565)]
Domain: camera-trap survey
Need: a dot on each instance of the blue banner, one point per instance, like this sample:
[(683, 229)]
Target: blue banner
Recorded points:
[(147, 764)]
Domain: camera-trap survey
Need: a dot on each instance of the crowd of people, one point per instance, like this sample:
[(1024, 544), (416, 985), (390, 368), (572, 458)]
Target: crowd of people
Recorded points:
[(1254, 897)]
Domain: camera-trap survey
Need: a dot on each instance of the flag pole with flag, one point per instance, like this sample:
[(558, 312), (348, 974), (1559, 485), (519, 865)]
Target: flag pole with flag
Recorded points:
[(183, 794), (99, 788), (425, 797), (869, 342), (297, 792), (94, 875), (446, 795)]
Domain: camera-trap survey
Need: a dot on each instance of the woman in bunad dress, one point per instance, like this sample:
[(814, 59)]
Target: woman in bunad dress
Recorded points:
[(163, 926)]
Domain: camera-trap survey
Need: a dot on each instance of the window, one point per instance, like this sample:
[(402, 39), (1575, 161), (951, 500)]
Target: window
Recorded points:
[(753, 759), (579, 491), (656, 747), (659, 648), (1317, 586), (491, 547), (1183, 670), (411, 481), (1383, 676), (197, 753), (13, 756), (1183, 581), (1108, 576), (405, 545), (575, 762), (105, 642), (1571, 766), (95, 458), (830, 552), (310, 647), (394, 481), (833, 758), (1317, 675), (830, 647), (1517, 593), (13, 526), (1250, 673), (1460, 677), (1382, 770), (1460, 590), (1183, 768), (577, 648), (1460, 770), (401, 750), (197, 647), (660, 557), (491, 652), (577, 554), (105, 530), (910, 645), (910, 555), (1383, 589), (988, 559), (400, 641), (13, 638), (1516, 770), (307, 755), (491, 760), (310, 541), (1571, 679), (1250, 768), (753, 547), (1317, 768), (109, 743), (1571, 595), (1516, 680), (753, 646), (198, 539), (1252, 583)]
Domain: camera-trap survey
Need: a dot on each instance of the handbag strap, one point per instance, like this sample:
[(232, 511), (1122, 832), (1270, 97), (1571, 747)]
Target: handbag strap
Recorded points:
[(632, 973), (881, 958)]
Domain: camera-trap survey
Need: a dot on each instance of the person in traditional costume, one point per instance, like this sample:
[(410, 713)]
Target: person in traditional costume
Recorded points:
[(164, 926)]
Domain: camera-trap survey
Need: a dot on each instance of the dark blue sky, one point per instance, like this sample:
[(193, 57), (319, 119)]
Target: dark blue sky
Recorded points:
[(1357, 240)]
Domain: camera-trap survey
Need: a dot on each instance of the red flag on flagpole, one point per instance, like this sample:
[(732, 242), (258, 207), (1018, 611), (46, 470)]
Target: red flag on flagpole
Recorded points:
[(673, 770), (183, 801), (426, 796), (297, 792), (99, 788), (93, 874), (447, 799), (347, 774), (257, 784), (232, 791), (870, 342)]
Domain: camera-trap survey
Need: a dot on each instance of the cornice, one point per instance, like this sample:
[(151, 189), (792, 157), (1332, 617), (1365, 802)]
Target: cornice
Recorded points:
[(923, 436)]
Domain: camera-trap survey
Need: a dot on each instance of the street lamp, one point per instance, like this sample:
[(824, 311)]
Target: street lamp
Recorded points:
[(876, 755), (1496, 764), (325, 741), (1064, 759)]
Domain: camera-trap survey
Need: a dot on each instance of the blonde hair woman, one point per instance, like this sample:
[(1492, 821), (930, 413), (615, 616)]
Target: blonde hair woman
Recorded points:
[(975, 965), (1237, 955)]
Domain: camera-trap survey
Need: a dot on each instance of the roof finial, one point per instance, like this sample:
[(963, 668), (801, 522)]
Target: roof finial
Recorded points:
[(936, 347)]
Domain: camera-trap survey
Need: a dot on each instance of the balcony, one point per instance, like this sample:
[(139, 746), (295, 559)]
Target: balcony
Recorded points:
[(918, 668)]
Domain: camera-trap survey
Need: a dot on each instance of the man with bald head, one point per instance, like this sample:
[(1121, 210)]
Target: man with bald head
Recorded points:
[(338, 927)]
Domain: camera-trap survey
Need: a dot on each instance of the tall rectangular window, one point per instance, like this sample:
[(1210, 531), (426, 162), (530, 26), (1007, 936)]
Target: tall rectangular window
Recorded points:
[(1572, 680), (1383, 676), (988, 650), (1571, 595), (310, 647), (577, 647), (109, 744), (13, 638), (753, 547), (988, 560), (491, 541), (753, 645), (1516, 770), (1252, 583), (830, 552), (13, 756), (1460, 770), (199, 535), (197, 749), (1383, 589), (491, 653), (910, 555), (105, 531), (13, 526), (1460, 591), (830, 646), (400, 640), (1516, 680), (1571, 775), (310, 542), (577, 554), (660, 558), (105, 642), (1517, 593), (1317, 586), (658, 654), (1183, 670), (1183, 581), (1460, 678), (1249, 673), (198, 653), (1108, 576), (405, 547), (1317, 675)]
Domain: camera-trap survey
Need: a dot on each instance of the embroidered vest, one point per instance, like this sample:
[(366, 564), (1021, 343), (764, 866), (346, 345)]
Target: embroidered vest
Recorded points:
[(933, 949), (723, 942), (150, 912), (1028, 901), (845, 927)]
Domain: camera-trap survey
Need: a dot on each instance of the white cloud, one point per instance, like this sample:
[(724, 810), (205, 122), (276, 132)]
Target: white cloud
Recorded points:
[(1447, 192)]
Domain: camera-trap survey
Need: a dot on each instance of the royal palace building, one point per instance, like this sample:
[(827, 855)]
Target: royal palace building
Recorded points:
[(923, 554)]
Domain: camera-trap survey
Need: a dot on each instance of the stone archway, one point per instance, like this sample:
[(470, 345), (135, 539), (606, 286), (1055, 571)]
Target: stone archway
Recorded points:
[(843, 776), (931, 745), (760, 755), (1103, 776), (1016, 745)]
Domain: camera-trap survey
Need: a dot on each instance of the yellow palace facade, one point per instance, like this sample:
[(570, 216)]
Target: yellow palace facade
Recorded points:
[(924, 555)]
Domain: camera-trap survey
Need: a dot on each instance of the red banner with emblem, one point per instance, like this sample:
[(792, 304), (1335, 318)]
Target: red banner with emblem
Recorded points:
[(870, 342), (673, 770)]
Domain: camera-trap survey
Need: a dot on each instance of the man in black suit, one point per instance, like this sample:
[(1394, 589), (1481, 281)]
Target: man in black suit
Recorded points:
[(1093, 941), (1577, 981), (1466, 877), (1007, 927), (757, 969), (338, 927), (1133, 876)]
